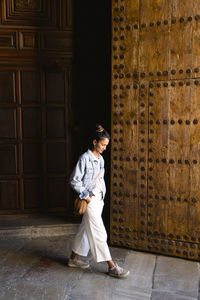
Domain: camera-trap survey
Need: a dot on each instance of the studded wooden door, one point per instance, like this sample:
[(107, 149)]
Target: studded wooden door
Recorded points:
[(155, 168)]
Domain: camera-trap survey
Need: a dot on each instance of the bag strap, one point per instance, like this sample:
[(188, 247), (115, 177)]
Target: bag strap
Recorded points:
[(94, 180)]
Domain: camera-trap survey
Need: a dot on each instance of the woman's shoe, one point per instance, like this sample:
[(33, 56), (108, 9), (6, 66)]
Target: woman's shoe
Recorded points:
[(77, 263), (118, 272)]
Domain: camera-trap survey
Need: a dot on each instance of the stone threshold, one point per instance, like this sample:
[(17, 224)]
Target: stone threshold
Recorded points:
[(37, 225), (36, 231)]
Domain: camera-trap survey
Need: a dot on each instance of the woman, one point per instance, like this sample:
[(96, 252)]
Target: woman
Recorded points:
[(92, 234)]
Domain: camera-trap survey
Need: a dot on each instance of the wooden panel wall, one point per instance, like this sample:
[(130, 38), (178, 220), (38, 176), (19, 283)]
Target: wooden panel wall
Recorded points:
[(35, 101), (155, 126)]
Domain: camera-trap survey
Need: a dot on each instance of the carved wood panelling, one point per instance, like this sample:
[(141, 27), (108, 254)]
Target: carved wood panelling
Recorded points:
[(66, 12), (55, 93), (56, 154), (35, 5), (56, 122), (57, 40), (31, 116), (7, 87), (35, 84), (57, 192), (32, 193), (9, 190), (32, 158), (28, 40), (8, 40), (8, 159), (33, 139), (40, 13), (30, 87), (46, 13), (46, 37), (8, 121)]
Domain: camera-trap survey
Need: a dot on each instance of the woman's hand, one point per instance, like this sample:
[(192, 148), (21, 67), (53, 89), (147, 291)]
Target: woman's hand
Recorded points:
[(88, 199)]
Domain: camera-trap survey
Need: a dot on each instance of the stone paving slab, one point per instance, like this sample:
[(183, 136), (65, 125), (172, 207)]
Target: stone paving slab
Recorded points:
[(138, 285), (49, 271), (8, 247), (93, 286), (14, 267), (53, 247), (157, 295), (35, 290), (177, 275)]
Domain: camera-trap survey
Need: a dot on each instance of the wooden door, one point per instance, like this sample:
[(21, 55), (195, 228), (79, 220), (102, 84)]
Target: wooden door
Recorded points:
[(35, 93), (155, 174)]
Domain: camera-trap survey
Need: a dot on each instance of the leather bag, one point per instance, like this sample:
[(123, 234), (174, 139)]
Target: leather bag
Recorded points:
[(80, 205)]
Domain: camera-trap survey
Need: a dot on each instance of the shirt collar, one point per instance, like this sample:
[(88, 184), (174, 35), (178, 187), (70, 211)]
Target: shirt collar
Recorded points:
[(92, 157)]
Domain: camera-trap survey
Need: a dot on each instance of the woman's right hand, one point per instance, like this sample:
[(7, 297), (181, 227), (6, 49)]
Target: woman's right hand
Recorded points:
[(88, 199)]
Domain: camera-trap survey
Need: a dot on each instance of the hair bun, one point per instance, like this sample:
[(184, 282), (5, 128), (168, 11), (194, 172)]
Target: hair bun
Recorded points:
[(99, 128)]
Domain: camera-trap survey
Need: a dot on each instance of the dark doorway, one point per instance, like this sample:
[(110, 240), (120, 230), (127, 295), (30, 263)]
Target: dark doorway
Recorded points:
[(91, 76), (91, 66)]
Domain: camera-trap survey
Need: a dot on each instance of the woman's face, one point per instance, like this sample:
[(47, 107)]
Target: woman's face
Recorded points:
[(101, 145)]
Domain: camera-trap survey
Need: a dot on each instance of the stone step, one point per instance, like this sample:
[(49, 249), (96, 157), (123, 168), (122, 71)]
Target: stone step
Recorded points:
[(36, 231), (36, 225)]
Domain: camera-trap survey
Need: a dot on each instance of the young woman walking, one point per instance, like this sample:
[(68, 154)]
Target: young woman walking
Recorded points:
[(92, 234)]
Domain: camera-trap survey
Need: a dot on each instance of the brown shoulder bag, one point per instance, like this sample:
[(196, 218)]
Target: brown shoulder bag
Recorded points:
[(80, 205)]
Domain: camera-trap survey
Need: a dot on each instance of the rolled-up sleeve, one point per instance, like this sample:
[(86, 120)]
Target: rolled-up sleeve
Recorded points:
[(76, 179)]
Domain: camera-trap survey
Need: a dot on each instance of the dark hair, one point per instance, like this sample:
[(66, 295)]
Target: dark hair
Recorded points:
[(99, 134)]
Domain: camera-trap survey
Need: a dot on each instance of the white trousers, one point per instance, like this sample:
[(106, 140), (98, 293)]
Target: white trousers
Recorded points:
[(91, 233)]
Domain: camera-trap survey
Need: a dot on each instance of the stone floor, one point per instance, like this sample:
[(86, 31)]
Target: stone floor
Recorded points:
[(35, 269)]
